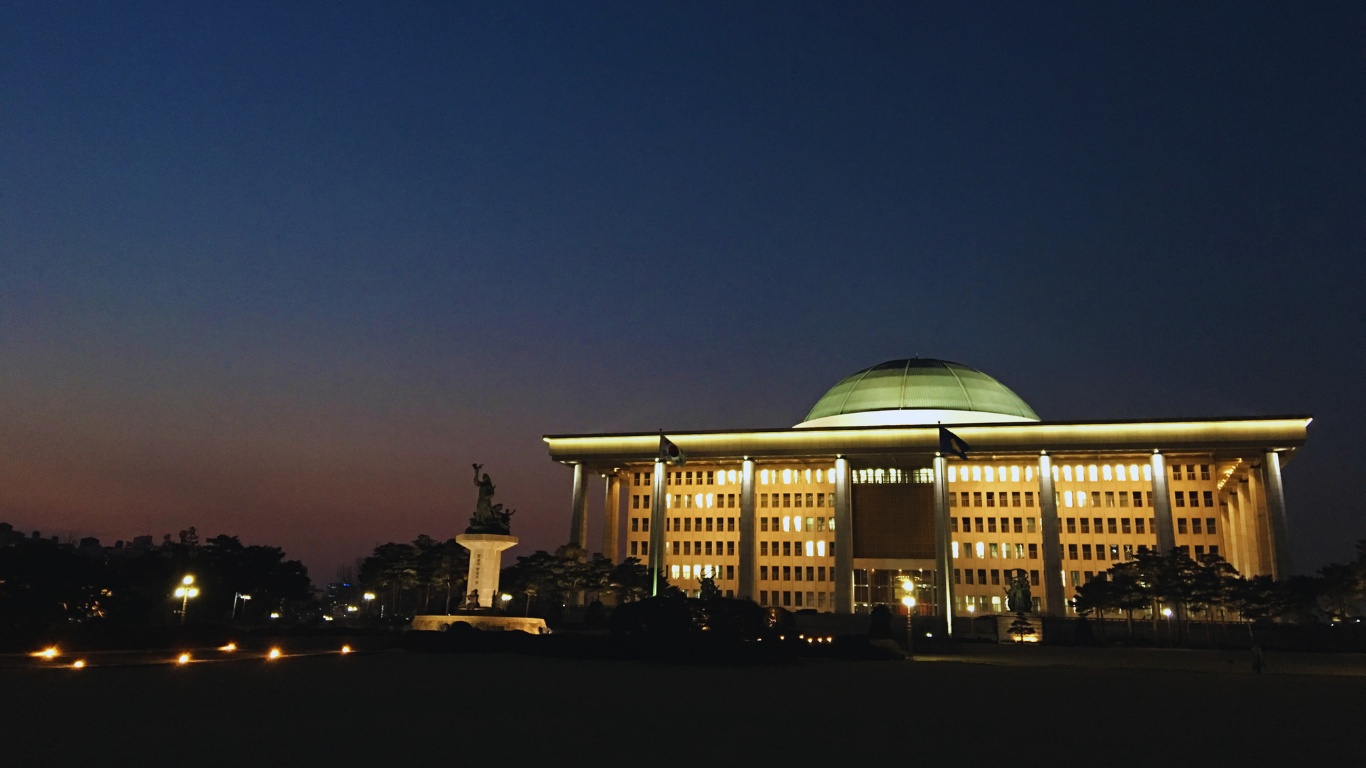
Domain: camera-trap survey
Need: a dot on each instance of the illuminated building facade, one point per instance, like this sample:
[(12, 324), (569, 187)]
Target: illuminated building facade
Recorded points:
[(837, 513)]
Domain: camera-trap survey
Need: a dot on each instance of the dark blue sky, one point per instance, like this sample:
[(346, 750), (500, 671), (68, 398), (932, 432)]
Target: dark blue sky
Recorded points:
[(286, 272)]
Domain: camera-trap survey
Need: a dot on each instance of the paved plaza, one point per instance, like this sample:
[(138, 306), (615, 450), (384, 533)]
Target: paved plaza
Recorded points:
[(1044, 705)]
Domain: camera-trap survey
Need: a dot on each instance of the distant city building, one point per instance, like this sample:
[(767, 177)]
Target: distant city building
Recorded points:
[(837, 513)]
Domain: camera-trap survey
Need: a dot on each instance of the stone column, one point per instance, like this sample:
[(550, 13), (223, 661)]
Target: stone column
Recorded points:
[(1275, 509), (657, 508), (1261, 525), (1232, 540), (745, 589), (578, 519), (844, 538), (943, 541), (486, 564), (1054, 600), (611, 517), (1162, 506)]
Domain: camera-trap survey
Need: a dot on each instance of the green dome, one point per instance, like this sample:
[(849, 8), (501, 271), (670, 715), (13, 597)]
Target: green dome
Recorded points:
[(918, 391)]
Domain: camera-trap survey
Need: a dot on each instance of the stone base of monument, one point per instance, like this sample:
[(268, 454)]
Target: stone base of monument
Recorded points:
[(487, 623), (1004, 622), (486, 564)]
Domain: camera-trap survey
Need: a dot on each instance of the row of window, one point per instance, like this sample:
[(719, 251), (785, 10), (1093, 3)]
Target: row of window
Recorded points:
[(975, 498), (1195, 497), (1190, 472), (1022, 524), (788, 572), (795, 549), (795, 499), (788, 599), (979, 576), (797, 524), (969, 473), (689, 547), (994, 550)]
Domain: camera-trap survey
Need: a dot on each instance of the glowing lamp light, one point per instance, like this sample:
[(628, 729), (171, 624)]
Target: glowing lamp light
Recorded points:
[(230, 647), (505, 597), (183, 658), (1167, 612), (274, 654), (274, 615), (48, 653), (346, 649), (908, 601), (78, 664)]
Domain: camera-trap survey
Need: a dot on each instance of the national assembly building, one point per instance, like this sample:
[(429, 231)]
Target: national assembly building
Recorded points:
[(930, 473)]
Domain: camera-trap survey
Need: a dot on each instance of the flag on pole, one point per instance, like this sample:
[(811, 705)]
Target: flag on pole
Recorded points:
[(669, 453), (952, 444)]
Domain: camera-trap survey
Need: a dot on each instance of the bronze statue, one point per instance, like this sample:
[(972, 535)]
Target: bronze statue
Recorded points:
[(1018, 597), (488, 517)]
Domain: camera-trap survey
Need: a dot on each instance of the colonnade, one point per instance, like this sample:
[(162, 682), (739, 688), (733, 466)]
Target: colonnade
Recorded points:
[(1253, 517)]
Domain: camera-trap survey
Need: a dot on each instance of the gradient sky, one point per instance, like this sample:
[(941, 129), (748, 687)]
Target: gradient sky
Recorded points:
[(285, 270)]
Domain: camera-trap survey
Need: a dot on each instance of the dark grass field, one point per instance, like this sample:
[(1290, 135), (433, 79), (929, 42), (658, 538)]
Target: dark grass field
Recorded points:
[(991, 706)]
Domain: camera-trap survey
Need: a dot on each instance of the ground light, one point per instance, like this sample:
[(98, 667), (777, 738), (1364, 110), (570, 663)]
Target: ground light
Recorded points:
[(183, 658), (346, 649), (230, 647), (78, 664), (274, 654), (49, 653)]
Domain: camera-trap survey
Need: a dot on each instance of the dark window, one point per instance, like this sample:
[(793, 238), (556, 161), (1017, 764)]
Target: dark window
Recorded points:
[(1181, 525), (1033, 551), (1209, 499), (1209, 526)]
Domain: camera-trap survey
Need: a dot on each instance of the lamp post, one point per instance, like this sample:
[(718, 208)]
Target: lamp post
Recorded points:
[(369, 598), (185, 591), (908, 587), (235, 597), (505, 598)]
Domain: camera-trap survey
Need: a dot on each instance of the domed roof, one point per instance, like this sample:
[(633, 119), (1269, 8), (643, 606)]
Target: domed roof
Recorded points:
[(918, 391)]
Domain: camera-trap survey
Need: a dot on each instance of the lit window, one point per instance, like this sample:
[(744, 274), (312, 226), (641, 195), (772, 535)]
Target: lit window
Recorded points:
[(981, 549), (953, 474), (787, 524), (1119, 472), (1029, 474), (687, 571), (1107, 472), (1067, 475), (820, 548), (730, 475), (955, 550), (709, 501), (1081, 476), (1133, 473), (1055, 473), (808, 475), (673, 572), (810, 548), (763, 477), (1148, 473), (1015, 474), (669, 500), (1067, 499), (991, 475), (977, 474), (787, 477), (1091, 473)]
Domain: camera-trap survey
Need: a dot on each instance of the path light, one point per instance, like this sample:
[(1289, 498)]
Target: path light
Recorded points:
[(78, 664), (49, 653), (230, 647), (346, 649), (183, 658), (274, 654)]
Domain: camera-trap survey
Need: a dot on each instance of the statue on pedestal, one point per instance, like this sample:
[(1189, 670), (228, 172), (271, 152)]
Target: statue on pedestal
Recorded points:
[(488, 517)]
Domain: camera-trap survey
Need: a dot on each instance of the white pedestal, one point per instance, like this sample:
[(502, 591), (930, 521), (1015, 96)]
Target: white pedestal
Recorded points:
[(486, 563)]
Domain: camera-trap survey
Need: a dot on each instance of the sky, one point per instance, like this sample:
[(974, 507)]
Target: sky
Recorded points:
[(286, 270)]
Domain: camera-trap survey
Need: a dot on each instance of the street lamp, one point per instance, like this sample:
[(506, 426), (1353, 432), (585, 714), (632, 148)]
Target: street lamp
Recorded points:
[(505, 598), (908, 587), (185, 591), (369, 600), (239, 596)]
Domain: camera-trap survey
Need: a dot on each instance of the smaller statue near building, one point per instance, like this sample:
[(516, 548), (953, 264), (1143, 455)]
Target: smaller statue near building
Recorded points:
[(1018, 597), (488, 517)]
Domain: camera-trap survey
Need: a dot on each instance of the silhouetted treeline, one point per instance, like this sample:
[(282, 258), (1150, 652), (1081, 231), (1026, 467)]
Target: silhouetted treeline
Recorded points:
[(45, 582)]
